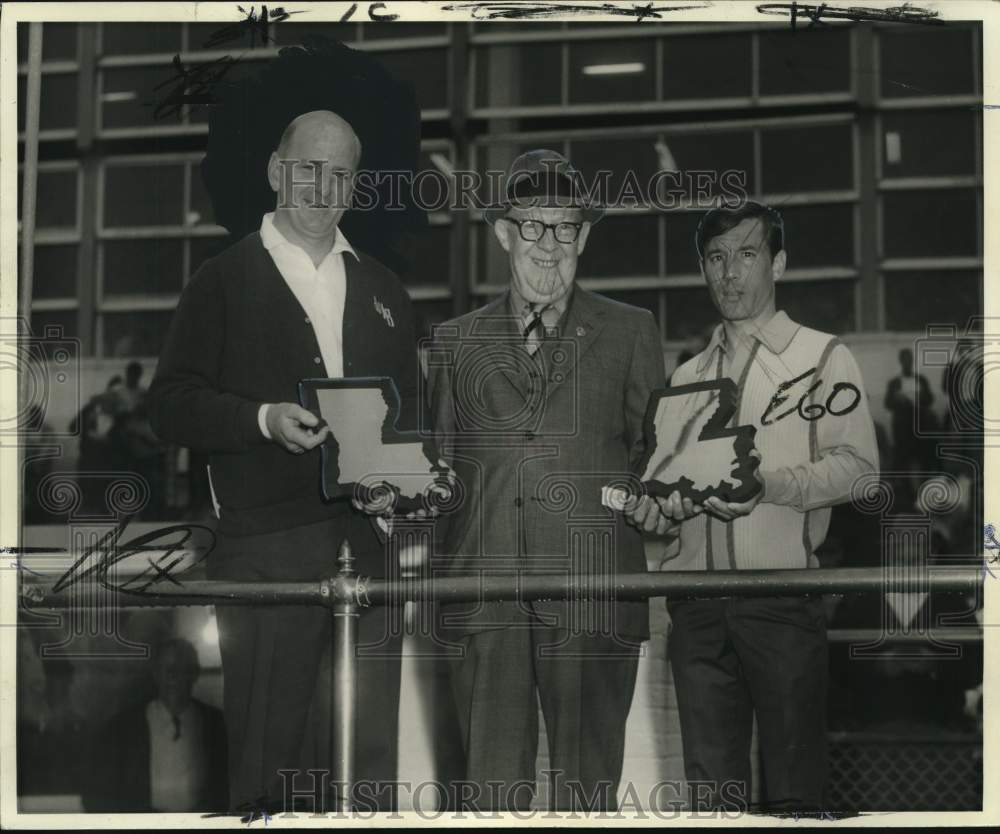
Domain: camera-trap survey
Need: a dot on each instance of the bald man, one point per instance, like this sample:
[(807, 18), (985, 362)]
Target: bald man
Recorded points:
[(289, 302)]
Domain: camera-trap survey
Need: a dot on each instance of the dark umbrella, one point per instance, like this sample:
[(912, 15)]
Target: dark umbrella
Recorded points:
[(246, 124)]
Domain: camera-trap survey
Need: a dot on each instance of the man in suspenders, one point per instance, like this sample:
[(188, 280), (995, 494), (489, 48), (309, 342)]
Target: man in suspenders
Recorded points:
[(733, 658)]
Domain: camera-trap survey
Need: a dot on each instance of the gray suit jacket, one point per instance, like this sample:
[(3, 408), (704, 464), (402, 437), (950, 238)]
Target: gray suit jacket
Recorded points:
[(532, 440)]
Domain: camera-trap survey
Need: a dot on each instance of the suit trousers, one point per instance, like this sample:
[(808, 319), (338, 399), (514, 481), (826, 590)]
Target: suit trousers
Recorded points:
[(585, 685), (271, 660), (732, 658)]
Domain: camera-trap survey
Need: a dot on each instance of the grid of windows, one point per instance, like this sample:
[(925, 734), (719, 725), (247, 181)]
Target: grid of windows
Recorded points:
[(648, 255), (878, 174)]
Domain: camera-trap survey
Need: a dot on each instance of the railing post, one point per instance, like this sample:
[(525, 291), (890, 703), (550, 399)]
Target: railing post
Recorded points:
[(344, 694)]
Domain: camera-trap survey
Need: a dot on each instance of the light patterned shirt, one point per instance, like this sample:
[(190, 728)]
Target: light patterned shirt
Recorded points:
[(807, 465)]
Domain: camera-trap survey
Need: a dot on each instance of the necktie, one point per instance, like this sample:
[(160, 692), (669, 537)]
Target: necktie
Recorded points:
[(535, 328)]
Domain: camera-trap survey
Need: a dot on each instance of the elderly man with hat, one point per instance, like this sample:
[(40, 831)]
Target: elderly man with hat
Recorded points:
[(538, 401)]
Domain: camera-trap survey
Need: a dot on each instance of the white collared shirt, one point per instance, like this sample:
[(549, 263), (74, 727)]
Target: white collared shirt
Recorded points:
[(178, 763), (320, 290)]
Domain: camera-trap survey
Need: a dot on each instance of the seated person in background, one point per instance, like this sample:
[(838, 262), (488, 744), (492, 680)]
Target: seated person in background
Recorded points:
[(167, 754), (51, 731)]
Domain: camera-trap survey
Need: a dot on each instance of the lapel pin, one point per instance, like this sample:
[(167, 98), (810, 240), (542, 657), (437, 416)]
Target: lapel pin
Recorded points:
[(384, 311), (580, 331)]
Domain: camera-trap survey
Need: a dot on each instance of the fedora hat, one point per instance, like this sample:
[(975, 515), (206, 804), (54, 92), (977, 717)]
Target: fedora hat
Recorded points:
[(544, 179)]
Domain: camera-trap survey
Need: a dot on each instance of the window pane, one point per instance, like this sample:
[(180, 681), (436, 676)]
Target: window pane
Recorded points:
[(514, 76), (723, 62), (429, 257), (203, 248), (811, 61), (621, 246), (611, 71), (914, 300), (137, 195), (927, 223), (130, 96), (619, 158), (427, 164), (55, 202), (822, 305), (140, 38), (58, 101), (819, 235), (58, 42), (807, 159), (714, 154), (394, 29), (288, 32), (55, 271), (682, 255), (926, 61), (143, 267), (135, 334), (690, 313), (926, 143), (426, 69), (66, 319), (57, 104), (646, 299)]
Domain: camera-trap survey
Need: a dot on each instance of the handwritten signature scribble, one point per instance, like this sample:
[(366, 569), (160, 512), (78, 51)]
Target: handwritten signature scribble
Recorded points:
[(192, 86), (528, 11), (110, 551), (835, 405), (253, 23), (816, 14)]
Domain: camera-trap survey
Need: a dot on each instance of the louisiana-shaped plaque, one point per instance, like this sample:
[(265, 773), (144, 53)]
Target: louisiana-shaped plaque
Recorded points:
[(364, 455), (690, 447)]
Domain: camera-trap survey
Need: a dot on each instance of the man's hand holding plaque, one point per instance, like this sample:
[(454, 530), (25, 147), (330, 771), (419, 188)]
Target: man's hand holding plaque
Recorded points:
[(383, 471), (694, 460), (653, 514)]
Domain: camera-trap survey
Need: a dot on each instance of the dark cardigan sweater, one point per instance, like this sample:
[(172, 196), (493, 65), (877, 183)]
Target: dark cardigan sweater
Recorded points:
[(240, 338)]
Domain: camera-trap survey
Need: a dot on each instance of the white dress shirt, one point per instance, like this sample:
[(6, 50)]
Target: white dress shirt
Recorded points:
[(178, 763), (320, 290)]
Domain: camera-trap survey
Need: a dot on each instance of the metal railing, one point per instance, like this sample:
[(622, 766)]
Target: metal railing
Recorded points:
[(346, 593)]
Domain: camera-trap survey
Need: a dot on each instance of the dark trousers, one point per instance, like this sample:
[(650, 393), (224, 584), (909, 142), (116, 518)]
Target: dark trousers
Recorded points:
[(271, 659), (585, 686), (734, 657)]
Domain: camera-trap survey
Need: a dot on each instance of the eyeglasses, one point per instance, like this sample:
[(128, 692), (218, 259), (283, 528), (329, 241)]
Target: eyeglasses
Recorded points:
[(532, 230)]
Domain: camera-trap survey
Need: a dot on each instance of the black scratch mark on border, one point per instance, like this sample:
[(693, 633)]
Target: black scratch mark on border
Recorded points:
[(815, 15), (529, 11)]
